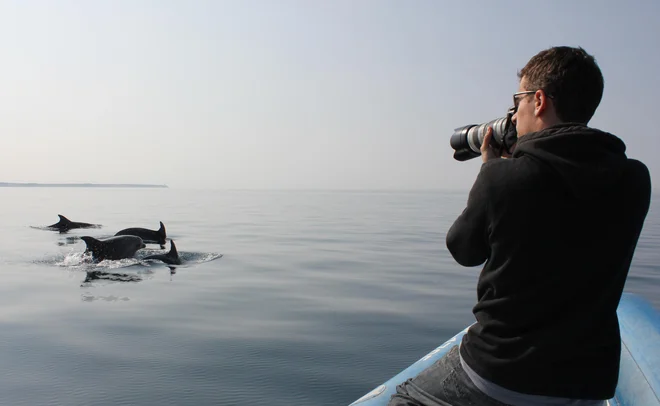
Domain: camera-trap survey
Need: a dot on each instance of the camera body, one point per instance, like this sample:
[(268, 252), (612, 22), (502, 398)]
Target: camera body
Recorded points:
[(467, 140)]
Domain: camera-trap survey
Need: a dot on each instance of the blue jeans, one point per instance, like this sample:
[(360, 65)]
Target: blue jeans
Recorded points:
[(444, 383)]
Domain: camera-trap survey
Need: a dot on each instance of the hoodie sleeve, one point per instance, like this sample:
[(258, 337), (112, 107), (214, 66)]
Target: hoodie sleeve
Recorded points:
[(467, 239)]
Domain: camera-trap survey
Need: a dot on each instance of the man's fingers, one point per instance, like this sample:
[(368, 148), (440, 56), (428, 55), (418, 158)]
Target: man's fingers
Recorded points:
[(486, 142)]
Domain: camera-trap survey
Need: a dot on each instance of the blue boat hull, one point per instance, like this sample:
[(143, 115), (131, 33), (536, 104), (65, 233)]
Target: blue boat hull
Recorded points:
[(639, 377)]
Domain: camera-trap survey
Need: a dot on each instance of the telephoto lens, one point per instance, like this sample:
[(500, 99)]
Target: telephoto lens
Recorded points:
[(466, 141)]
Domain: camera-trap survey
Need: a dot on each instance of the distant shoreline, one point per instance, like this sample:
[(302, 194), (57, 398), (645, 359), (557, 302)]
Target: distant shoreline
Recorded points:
[(103, 185)]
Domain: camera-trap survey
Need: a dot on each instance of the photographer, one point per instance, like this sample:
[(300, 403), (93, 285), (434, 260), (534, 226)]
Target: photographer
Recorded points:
[(556, 224)]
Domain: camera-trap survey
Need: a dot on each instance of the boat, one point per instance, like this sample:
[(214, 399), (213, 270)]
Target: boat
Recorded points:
[(639, 373)]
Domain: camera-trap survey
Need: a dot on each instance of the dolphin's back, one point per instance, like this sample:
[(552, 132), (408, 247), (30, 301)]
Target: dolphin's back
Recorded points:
[(65, 224), (113, 248), (147, 235)]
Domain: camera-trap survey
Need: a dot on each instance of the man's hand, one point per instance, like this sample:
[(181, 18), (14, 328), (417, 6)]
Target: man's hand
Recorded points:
[(487, 150)]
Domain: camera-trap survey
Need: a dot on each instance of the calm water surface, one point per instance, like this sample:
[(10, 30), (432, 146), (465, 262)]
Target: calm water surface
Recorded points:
[(286, 298)]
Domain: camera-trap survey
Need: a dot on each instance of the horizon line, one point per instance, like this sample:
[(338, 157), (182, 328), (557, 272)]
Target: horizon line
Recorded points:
[(81, 184)]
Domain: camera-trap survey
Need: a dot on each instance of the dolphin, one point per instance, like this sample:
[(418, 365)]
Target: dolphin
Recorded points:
[(113, 248), (65, 225), (171, 258), (148, 236)]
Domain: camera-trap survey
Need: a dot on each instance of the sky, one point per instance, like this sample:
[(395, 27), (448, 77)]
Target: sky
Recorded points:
[(304, 94)]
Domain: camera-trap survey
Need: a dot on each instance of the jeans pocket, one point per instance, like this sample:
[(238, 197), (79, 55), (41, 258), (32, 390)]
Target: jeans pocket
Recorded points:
[(451, 388), (456, 392)]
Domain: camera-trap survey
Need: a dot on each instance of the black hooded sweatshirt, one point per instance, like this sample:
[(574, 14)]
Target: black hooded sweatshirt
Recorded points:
[(557, 224)]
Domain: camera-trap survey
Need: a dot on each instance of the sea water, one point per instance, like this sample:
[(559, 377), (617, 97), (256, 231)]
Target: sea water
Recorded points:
[(284, 298)]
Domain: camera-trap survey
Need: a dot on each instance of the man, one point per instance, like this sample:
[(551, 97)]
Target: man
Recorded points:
[(556, 224)]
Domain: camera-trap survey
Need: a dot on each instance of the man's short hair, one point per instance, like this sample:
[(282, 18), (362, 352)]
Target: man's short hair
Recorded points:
[(571, 76)]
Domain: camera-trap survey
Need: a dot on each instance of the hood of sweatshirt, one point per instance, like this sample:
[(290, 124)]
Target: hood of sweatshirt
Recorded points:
[(589, 160)]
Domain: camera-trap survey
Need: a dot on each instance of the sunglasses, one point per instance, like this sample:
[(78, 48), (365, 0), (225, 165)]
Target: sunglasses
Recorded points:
[(516, 98)]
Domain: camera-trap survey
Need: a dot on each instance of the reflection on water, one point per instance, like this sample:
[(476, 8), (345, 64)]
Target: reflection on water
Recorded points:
[(68, 241), (87, 297), (108, 276)]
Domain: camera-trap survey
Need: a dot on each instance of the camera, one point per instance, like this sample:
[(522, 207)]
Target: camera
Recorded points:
[(466, 141)]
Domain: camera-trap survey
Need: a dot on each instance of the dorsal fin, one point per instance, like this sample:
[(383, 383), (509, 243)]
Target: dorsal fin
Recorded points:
[(93, 245), (90, 240), (63, 219), (161, 230), (173, 252)]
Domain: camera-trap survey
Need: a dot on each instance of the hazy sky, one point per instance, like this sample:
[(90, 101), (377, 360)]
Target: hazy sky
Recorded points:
[(335, 94)]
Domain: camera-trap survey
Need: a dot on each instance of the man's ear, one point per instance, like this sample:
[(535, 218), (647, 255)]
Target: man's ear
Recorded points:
[(540, 102)]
